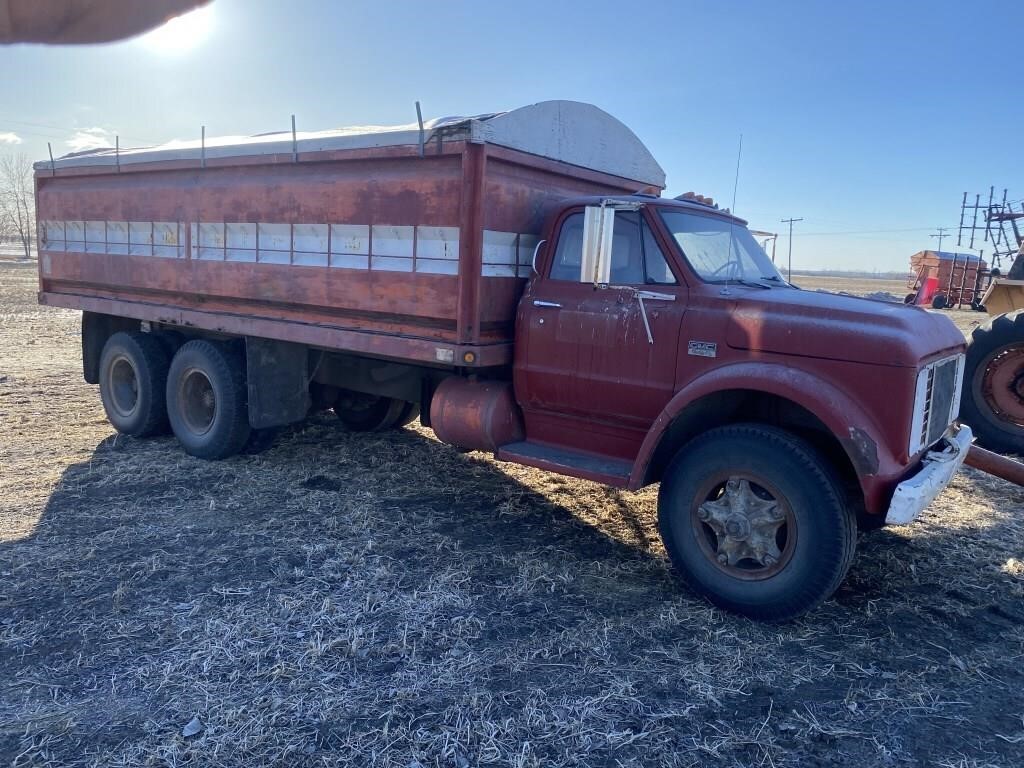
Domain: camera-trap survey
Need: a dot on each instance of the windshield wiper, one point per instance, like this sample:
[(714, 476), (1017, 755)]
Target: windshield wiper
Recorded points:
[(740, 281)]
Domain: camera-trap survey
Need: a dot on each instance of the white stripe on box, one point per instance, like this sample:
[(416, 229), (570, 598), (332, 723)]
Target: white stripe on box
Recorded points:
[(140, 238), (168, 242), (499, 247), (240, 242), (53, 234), (95, 237), (385, 247)]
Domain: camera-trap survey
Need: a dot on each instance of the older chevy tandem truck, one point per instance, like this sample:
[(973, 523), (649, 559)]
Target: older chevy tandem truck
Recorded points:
[(516, 281)]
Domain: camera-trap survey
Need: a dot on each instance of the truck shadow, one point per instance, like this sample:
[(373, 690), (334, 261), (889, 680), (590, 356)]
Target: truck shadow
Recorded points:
[(142, 510), (155, 570)]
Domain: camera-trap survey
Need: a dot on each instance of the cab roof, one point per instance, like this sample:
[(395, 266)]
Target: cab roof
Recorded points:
[(667, 203)]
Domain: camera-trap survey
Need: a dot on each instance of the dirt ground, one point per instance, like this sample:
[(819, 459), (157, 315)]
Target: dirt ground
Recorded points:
[(345, 599)]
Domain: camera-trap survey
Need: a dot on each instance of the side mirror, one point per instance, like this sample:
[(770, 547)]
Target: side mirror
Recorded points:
[(598, 225)]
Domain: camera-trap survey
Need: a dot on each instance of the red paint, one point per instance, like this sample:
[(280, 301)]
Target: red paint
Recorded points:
[(478, 415), (596, 397)]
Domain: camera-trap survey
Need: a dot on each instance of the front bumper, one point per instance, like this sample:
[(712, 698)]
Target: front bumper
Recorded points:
[(937, 468)]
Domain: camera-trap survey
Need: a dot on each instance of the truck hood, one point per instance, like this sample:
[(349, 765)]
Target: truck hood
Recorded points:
[(835, 327)]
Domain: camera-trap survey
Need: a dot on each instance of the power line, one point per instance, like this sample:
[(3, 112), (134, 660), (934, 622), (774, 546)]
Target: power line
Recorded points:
[(864, 231), (940, 233), (789, 268)]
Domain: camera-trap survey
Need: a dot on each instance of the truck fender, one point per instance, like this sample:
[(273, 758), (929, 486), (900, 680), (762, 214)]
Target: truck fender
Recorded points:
[(855, 430)]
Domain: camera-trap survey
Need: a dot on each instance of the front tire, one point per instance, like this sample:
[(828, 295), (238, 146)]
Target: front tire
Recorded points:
[(207, 403), (133, 376), (753, 520)]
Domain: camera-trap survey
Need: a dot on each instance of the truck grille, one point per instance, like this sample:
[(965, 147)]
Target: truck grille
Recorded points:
[(937, 402)]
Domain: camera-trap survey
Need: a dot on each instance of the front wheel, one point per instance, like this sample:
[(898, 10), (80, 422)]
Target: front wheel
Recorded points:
[(753, 520)]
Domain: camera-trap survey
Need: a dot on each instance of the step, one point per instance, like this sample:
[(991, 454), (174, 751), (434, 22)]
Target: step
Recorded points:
[(565, 461)]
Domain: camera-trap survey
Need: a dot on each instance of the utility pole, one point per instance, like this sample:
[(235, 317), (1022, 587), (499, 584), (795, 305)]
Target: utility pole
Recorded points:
[(789, 269), (940, 234)]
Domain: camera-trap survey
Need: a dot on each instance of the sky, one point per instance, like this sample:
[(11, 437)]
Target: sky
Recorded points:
[(868, 120)]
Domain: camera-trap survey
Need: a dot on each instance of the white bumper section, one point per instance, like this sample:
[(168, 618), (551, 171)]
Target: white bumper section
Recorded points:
[(938, 467)]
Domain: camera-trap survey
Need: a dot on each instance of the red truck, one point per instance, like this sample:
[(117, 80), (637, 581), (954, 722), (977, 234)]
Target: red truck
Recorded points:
[(517, 282)]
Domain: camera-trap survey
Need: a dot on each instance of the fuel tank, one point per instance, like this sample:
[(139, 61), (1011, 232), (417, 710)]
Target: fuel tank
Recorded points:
[(476, 415)]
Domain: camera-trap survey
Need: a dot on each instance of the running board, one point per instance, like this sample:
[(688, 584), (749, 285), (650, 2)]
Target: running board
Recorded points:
[(564, 461)]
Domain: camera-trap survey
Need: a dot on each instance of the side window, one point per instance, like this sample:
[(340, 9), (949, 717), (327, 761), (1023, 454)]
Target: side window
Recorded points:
[(656, 264), (569, 254), (627, 250), (636, 257)]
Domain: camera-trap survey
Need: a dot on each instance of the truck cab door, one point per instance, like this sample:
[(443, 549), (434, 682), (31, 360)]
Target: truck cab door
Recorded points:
[(585, 352)]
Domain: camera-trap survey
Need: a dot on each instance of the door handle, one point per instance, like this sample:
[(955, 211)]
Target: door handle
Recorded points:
[(550, 304)]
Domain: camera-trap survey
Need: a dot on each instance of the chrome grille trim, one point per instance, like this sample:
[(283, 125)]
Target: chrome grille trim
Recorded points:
[(936, 401)]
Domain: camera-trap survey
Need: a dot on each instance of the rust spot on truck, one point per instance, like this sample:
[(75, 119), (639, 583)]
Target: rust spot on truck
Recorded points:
[(862, 450)]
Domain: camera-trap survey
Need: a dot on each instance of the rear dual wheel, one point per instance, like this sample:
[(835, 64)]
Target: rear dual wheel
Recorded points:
[(133, 369), (198, 391), (207, 402), (753, 519), (361, 412)]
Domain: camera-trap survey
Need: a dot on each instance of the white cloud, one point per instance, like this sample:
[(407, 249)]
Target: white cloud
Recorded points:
[(9, 137), (90, 138)]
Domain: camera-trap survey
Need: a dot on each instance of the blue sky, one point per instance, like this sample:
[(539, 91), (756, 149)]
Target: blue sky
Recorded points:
[(869, 119)]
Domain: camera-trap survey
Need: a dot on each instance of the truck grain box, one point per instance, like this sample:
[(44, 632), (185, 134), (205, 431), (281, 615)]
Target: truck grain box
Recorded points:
[(517, 281)]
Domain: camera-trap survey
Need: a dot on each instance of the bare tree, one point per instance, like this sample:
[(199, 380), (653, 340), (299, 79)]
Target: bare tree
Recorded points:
[(17, 201)]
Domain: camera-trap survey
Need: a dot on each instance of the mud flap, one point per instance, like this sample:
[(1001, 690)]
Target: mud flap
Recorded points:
[(278, 382)]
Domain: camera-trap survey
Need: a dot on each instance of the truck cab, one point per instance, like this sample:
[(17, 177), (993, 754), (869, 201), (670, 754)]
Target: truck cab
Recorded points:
[(656, 342)]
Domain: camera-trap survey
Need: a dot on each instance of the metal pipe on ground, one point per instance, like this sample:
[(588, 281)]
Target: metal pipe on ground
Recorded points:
[(994, 464)]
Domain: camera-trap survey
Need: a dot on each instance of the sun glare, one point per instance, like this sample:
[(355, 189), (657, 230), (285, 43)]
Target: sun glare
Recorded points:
[(182, 33)]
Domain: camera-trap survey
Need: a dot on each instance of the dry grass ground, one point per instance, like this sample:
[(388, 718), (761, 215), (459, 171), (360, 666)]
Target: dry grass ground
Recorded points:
[(359, 600)]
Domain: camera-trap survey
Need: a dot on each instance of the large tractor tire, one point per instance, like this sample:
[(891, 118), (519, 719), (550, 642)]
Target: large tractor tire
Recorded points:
[(754, 519), (993, 394)]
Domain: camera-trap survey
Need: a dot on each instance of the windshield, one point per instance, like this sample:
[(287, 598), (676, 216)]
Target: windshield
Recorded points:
[(720, 250)]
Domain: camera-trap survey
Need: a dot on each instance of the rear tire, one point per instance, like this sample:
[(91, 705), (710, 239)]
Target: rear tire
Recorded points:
[(133, 377), (409, 414), (207, 402), (939, 301), (753, 519), (993, 391), (361, 412)]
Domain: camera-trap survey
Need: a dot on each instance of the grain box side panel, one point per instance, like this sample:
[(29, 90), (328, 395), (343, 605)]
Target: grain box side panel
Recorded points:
[(364, 244)]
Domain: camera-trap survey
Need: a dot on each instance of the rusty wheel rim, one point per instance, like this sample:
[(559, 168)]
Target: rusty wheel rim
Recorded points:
[(123, 385), (1002, 384), (744, 526), (198, 401)]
